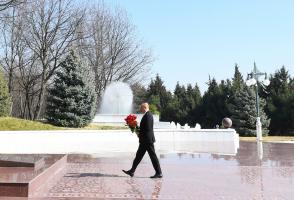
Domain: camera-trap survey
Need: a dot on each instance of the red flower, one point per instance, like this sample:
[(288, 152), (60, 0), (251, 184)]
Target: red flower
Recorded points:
[(131, 122), (130, 118)]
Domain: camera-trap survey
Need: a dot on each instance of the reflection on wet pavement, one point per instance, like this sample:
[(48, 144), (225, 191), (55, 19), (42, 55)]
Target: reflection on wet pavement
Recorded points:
[(186, 176), (258, 171), (249, 154)]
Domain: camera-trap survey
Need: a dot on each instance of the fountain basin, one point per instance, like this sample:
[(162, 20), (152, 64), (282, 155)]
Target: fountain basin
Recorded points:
[(106, 142)]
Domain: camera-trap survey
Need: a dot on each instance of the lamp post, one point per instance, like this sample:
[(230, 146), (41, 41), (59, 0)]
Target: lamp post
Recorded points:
[(253, 79)]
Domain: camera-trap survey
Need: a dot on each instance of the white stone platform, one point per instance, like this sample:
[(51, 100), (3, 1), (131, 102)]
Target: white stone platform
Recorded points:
[(106, 142)]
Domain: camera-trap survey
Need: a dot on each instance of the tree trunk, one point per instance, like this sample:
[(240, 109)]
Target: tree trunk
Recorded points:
[(40, 99), (10, 80)]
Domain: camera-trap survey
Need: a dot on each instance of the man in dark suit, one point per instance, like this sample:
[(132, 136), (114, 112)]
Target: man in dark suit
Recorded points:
[(146, 140)]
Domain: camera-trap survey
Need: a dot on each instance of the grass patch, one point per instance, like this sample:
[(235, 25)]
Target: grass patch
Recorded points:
[(16, 124), (269, 138)]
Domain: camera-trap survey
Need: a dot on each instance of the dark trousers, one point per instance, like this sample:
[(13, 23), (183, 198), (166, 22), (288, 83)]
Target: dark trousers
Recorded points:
[(140, 154)]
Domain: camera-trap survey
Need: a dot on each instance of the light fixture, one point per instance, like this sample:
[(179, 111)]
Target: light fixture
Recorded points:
[(251, 82), (252, 79), (266, 82)]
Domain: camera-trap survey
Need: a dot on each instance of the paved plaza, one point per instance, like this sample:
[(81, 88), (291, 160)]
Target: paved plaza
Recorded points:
[(268, 174)]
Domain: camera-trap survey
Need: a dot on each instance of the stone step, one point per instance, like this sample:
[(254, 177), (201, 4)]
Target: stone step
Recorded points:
[(24, 181)]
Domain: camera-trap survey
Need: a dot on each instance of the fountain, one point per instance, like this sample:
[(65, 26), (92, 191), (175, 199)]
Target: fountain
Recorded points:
[(117, 103), (117, 99)]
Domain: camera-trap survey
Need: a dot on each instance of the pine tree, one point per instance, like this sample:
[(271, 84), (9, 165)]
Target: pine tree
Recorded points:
[(139, 95), (280, 107), (195, 99), (212, 87), (180, 91), (196, 95), (5, 100), (190, 99), (72, 99), (280, 82), (183, 102), (243, 110), (238, 81), (213, 108), (154, 102), (172, 111), (157, 91)]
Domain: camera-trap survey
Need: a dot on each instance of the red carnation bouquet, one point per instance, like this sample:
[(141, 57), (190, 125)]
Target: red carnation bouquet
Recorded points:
[(132, 123)]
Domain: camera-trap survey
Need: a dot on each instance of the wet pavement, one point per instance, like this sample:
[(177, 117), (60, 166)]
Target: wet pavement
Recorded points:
[(257, 171)]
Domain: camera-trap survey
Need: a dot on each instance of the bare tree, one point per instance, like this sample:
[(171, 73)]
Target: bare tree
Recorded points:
[(37, 35), (35, 41), (13, 47), (51, 27), (5, 4), (111, 48), (10, 34)]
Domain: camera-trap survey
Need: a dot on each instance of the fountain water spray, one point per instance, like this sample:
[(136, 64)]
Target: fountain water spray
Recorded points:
[(117, 99), (117, 103)]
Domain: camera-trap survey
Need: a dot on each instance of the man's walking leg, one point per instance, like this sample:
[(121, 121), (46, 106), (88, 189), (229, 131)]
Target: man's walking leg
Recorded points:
[(154, 159), (139, 155)]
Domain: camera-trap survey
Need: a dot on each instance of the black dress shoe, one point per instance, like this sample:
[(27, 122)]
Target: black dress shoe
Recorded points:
[(131, 174), (156, 176)]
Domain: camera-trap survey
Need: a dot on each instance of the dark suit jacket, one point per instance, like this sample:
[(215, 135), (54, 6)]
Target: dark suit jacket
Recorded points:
[(146, 135)]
